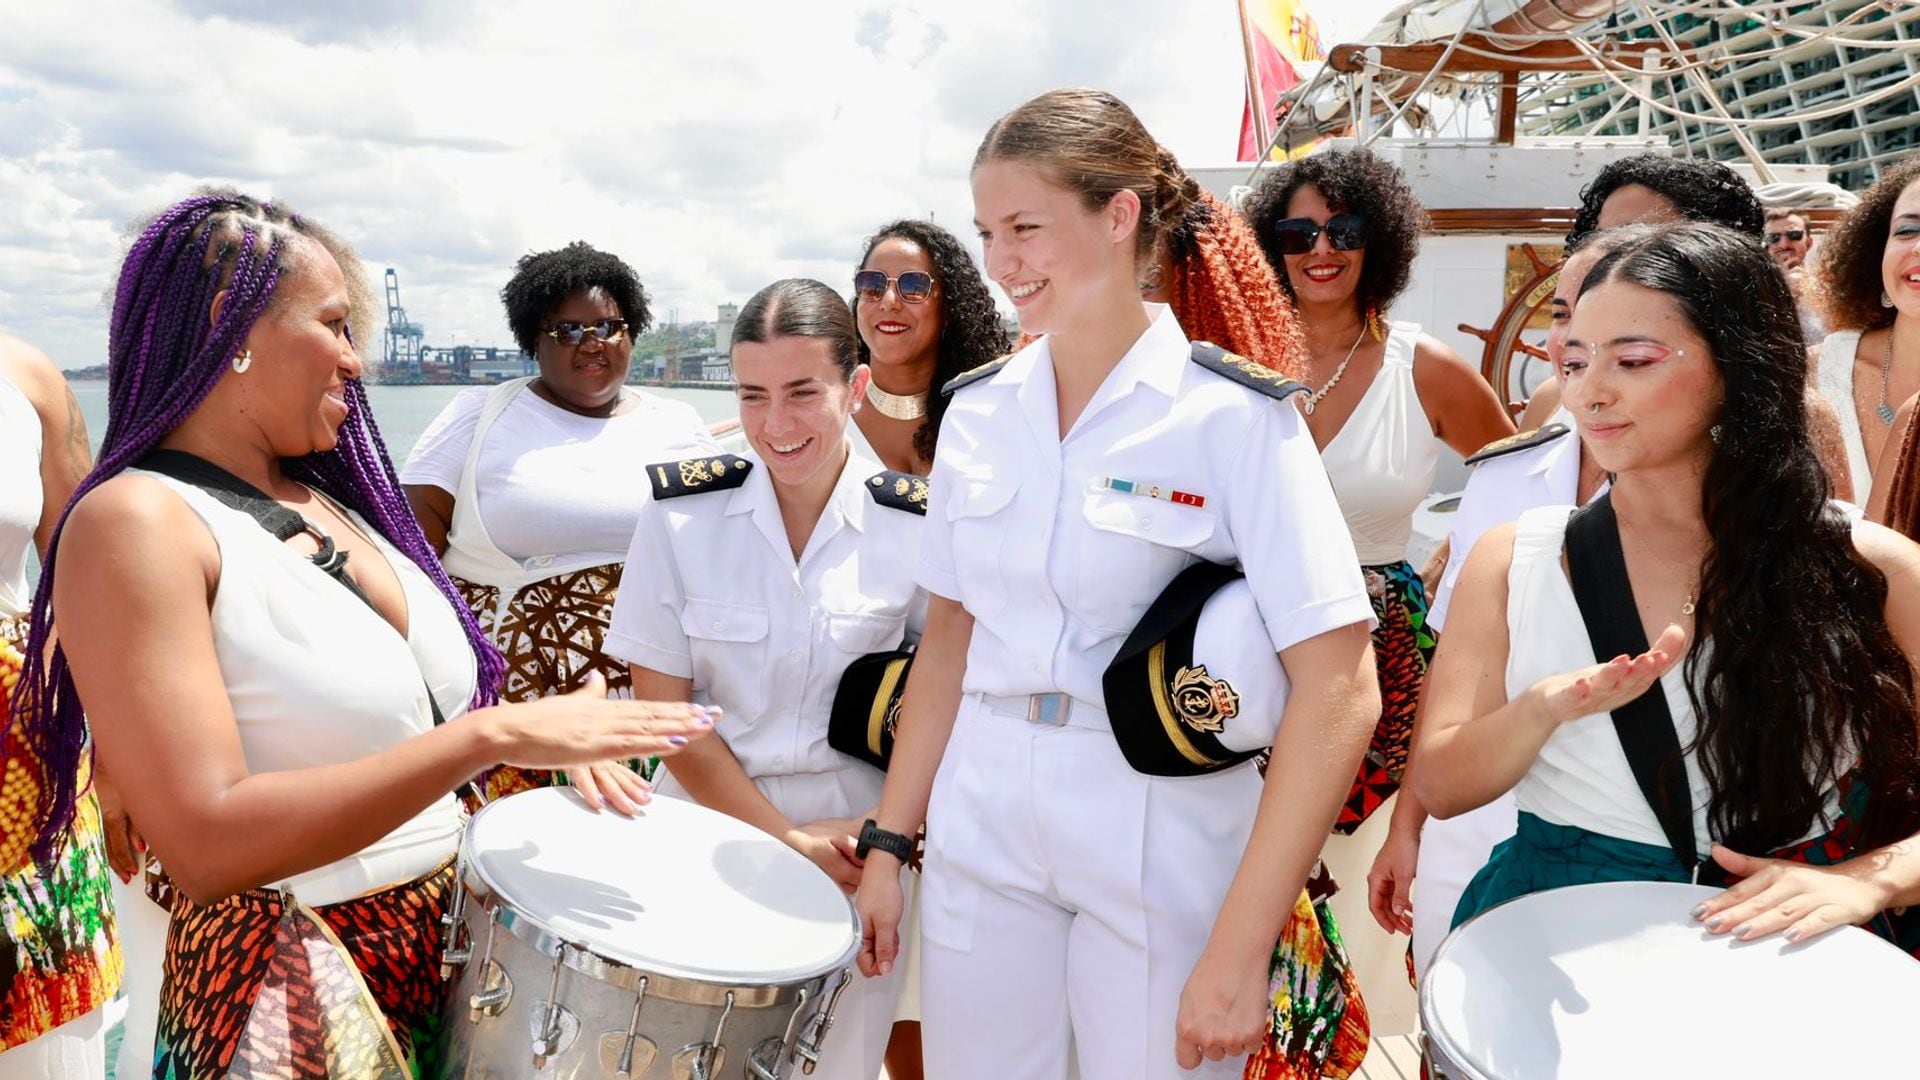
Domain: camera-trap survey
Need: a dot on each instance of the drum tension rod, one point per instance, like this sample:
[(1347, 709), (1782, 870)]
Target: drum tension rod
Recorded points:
[(809, 1049), (625, 1067), (549, 1015)]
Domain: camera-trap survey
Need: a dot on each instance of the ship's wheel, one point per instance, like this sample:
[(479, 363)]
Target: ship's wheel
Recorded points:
[(1513, 366)]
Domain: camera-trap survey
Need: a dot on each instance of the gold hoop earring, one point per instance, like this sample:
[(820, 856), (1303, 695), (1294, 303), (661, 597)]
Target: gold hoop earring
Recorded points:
[(243, 361)]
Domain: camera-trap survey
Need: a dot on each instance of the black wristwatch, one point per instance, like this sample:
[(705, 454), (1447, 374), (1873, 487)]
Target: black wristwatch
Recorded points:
[(873, 837)]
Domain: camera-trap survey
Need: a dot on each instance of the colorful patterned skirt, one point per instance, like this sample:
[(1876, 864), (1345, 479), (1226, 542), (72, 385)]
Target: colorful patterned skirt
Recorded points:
[(257, 987), (1402, 647), (1318, 1021), (1542, 856), (59, 951), (553, 633)]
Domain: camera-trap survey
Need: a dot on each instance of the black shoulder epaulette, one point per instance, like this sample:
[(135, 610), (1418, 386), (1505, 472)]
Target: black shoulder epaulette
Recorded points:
[(672, 479), (902, 491), (974, 375), (1244, 371), (1513, 444)]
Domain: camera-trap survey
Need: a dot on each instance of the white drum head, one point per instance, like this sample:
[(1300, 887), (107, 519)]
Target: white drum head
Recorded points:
[(680, 890), (1618, 980)]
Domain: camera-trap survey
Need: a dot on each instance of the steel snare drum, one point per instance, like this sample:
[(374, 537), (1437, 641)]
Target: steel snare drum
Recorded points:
[(679, 945), (1619, 980)]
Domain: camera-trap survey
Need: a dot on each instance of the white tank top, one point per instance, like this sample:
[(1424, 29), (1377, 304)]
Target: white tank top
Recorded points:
[(317, 677), (20, 494), (1581, 777), (1834, 377), (1382, 460)]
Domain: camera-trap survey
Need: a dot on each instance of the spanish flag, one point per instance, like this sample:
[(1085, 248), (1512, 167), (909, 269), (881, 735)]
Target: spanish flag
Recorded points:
[(1279, 34)]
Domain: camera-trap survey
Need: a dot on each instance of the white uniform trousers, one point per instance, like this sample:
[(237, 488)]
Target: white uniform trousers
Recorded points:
[(1451, 852), (142, 925), (856, 1047), (1066, 899)]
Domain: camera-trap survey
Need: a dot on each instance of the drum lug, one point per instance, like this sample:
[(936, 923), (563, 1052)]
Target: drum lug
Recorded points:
[(808, 1049), (705, 1060), (764, 1062), (452, 953), (554, 1029), (496, 990), (629, 1053)]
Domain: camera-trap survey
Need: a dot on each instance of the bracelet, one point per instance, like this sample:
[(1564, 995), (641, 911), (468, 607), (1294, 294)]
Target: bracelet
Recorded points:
[(875, 838)]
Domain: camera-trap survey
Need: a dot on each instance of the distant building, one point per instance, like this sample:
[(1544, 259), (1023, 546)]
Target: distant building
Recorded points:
[(723, 329), (1817, 77), (717, 369)]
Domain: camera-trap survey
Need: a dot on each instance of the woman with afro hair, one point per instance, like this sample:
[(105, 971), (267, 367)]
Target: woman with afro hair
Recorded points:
[(925, 316), (1341, 230), (529, 490), (1868, 274)]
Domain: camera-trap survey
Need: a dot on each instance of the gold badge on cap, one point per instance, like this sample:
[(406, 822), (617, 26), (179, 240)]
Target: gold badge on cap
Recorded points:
[(1204, 702)]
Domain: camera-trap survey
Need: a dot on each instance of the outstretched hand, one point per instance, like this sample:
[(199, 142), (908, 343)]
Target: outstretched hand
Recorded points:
[(1602, 688)]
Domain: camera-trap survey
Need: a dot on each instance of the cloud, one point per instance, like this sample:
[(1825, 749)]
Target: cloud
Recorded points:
[(715, 147)]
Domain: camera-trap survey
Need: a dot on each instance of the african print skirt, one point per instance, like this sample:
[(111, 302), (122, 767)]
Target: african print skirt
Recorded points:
[(257, 987), (1317, 1023), (552, 632), (59, 951), (1402, 647)]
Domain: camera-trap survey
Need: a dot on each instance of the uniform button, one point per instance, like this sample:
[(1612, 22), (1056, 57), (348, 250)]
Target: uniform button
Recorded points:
[(716, 627), (793, 654), (1146, 526)]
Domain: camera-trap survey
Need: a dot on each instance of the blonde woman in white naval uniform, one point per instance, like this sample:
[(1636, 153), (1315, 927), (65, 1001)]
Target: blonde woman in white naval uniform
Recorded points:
[(1074, 907), (766, 579)]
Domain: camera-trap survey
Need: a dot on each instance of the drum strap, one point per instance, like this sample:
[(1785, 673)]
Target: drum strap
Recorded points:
[(1598, 570), (283, 523)]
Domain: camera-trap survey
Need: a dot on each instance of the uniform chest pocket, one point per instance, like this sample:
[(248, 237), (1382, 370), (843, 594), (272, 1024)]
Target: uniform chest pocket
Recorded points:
[(1132, 546), (866, 632), (980, 517), (712, 620)]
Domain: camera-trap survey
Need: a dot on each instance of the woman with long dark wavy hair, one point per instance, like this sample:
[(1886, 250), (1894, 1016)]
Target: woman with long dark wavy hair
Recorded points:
[(1783, 631), (925, 316)]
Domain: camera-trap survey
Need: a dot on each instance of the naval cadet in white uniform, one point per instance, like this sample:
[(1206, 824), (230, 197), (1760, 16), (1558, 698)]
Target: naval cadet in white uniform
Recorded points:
[(1073, 906), (766, 575)]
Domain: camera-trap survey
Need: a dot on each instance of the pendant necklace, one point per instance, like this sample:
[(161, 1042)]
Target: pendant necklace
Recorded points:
[(1314, 398)]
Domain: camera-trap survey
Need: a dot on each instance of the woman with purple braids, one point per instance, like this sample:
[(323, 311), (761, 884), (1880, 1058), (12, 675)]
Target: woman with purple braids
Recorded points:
[(270, 703)]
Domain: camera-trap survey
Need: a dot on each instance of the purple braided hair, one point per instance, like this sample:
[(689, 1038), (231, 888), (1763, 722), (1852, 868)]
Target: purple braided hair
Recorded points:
[(164, 358)]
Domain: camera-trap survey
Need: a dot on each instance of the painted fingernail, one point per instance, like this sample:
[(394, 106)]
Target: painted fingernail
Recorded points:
[(677, 740), (1792, 934), (1743, 930), (1714, 923), (1699, 910)]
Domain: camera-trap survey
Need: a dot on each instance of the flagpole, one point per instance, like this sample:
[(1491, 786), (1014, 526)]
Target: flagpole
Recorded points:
[(1256, 99)]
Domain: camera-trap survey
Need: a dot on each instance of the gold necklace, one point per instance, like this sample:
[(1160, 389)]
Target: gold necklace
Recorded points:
[(1686, 608), (896, 406)]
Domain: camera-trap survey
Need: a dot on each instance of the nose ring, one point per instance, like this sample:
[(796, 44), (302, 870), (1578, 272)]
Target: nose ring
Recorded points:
[(1593, 408)]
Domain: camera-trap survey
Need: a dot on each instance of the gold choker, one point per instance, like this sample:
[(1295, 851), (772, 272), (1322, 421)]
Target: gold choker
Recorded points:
[(896, 406)]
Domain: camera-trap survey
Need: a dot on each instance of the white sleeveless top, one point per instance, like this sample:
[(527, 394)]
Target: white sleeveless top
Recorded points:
[(20, 494), (1382, 460), (1581, 777), (1834, 378), (317, 677)]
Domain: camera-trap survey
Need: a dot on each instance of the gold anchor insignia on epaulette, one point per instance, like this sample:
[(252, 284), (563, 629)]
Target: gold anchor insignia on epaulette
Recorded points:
[(694, 472), (1204, 702)]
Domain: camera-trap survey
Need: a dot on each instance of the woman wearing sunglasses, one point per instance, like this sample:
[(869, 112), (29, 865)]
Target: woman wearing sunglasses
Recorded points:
[(925, 316), (1342, 230), (529, 490)]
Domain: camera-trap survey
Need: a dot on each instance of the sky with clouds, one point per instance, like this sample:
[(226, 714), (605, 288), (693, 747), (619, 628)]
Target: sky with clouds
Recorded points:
[(715, 146)]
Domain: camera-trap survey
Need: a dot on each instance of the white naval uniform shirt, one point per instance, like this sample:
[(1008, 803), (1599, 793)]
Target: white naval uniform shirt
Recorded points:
[(717, 597), (1056, 570), (1499, 490)]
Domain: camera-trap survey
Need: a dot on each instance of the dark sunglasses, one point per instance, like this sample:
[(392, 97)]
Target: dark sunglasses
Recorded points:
[(1795, 235), (914, 286), (1297, 235), (572, 333)]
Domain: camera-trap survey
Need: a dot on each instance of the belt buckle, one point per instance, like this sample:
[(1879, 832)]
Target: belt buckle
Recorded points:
[(1049, 709)]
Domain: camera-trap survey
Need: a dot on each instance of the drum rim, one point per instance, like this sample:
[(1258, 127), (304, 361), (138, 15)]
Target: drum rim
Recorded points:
[(588, 960)]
